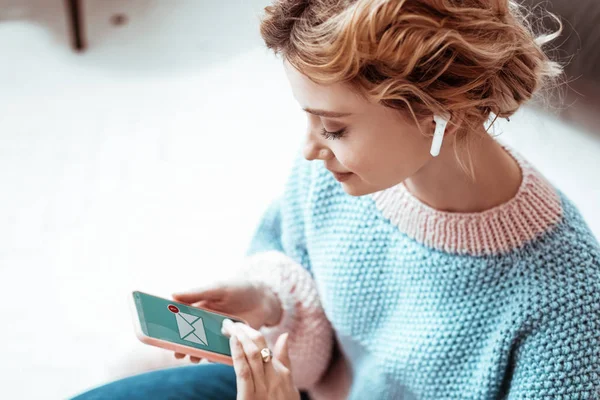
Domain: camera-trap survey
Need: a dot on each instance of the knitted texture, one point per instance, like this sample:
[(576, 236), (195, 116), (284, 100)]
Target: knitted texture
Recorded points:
[(530, 213), (302, 314), (433, 305)]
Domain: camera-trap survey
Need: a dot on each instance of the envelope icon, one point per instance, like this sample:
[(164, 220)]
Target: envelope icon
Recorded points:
[(191, 328)]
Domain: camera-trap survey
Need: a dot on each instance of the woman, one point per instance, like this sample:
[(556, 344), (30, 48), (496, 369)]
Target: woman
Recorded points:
[(439, 262)]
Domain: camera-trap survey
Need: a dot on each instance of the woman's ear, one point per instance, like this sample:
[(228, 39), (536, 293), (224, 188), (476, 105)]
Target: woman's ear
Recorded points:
[(454, 123)]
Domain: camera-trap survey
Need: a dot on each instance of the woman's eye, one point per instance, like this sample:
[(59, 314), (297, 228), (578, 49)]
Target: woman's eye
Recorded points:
[(333, 135)]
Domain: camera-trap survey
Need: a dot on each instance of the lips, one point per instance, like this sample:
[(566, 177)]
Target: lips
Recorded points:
[(341, 177), (336, 172)]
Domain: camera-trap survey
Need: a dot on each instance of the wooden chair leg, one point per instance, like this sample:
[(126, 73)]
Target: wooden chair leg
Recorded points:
[(76, 24)]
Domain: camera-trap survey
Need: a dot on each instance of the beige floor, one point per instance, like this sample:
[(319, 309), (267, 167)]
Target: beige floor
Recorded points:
[(144, 163)]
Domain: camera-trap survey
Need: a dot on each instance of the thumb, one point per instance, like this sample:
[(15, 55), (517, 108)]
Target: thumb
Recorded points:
[(281, 351), (206, 293)]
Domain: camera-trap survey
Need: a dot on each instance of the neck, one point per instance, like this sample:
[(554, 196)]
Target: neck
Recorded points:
[(444, 185)]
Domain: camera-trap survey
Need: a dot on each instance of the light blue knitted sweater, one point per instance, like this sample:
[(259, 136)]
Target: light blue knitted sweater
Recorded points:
[(432, 305)]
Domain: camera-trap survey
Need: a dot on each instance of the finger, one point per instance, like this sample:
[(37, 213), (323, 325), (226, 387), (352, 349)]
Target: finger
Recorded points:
[(252, 342), (202, 304), (273, 372), (179, 356), (227, 326), (243, 372), (279, 372), (195, 360), (209, 292), (281, 350)]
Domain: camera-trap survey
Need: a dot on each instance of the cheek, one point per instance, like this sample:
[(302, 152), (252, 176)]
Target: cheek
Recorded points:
[(360, 154), (359, 161), (379, 157)]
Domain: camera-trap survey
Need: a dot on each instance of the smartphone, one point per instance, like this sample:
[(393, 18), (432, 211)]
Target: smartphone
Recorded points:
[(181, 328)]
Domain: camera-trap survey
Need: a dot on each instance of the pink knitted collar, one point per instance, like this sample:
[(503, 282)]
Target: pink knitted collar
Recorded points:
[(535, 209)]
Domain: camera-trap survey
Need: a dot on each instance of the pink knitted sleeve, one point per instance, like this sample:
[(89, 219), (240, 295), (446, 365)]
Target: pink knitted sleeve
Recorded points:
[(310, 333)]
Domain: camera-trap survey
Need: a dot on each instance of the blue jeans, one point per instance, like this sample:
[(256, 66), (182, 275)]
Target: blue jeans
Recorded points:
[(197, 382)]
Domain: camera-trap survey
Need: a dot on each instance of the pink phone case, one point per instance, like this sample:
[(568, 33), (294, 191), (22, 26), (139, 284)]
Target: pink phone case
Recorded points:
[(179, 348)]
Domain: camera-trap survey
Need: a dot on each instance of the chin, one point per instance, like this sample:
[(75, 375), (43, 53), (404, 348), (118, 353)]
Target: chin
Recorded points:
[(363, 188), (356, 190)]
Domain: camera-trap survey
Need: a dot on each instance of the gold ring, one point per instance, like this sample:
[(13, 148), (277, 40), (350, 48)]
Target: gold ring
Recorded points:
[(266, 354)]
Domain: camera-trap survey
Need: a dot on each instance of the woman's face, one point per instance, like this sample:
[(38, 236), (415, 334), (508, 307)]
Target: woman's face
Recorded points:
[(378, 148)]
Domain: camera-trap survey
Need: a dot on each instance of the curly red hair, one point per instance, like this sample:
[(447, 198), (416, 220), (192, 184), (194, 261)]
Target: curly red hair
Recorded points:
[(469, 58)]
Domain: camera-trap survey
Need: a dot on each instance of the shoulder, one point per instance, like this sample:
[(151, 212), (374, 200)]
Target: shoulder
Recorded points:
[(561, 269), (570, 244), (574, 225)]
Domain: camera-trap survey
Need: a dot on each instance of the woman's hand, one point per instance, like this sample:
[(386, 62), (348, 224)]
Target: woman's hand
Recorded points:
[(256, 379), (252, 302)]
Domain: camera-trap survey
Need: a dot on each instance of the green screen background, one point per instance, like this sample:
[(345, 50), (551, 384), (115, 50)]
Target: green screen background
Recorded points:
[(158, 322)]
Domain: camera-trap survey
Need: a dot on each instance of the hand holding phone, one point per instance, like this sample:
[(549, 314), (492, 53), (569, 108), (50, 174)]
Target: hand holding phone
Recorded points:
[(250, 301), (236, 299), (181, 328)]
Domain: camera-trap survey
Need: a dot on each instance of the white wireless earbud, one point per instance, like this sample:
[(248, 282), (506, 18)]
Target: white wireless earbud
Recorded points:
[(438, 134)]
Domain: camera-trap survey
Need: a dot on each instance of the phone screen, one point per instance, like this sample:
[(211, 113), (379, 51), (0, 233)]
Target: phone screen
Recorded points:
[(179, 323)]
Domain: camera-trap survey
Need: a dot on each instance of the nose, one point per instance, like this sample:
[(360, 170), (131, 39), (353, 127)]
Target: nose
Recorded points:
[(314, 149), (312, 152)]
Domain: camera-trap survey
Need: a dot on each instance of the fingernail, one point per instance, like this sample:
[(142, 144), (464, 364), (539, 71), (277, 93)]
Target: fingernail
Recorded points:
[(226, 324), (225, 331)]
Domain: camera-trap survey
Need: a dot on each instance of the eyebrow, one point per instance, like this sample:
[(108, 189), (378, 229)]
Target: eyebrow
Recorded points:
[(327, 114)]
